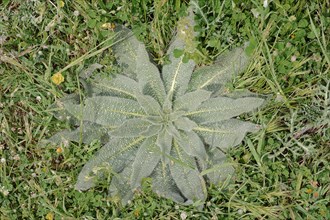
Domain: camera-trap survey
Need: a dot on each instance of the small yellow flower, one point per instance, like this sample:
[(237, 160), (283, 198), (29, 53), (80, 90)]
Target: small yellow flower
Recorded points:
[(50, 216), (58, 78), (309, 191), (109, 26), (61, 4), (59, 150)]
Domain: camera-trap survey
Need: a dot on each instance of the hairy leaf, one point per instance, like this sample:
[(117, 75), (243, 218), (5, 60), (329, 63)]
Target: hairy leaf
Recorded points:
[(221, 72), (149, 104), (191, 100), (164, 185), (185, 124), (111, 111), (116, 154), (85, 134), (225, 134), (219, 168), (147, 158), (191, 143), (120, 86), (120, 185), (188, 179), (134, 58), (164, 142), (131, 128), (223, 108)]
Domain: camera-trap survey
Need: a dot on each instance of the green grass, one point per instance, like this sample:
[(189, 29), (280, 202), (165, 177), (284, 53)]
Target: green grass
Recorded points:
[(282, 172)]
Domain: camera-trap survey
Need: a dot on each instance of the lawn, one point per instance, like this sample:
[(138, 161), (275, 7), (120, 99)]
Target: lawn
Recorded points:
[(281, 172)]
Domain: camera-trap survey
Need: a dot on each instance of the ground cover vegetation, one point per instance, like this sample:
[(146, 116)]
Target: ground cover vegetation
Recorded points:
[(281, 171)]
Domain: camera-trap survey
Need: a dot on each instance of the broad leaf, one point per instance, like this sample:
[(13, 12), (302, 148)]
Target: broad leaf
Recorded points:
[(120, 185), (149, 104), (185, 124), (131, 128), (192, 144), (225, 134), (116, 154), (219, 168), (111, 111), (188, 179), (85, 134), (147, 158), (223, 108), (177, 74), (164, 142), (120, 86), (221, 72), (133, 57), (192, 100), (164, 185)]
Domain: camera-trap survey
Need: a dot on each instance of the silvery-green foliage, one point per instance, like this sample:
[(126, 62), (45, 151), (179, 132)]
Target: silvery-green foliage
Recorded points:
[(170, 124)]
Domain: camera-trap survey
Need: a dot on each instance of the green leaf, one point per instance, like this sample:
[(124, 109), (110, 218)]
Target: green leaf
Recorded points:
[(131, 128), (152, 130), (191, 100), (223, 108), (86, 134), (218, 167), (225, 134), (177, 53), (164, 185), (149, 104), (133, 57), (88, 72), (177, 74), (116, 154), (164, 142), (185, 124), (120, 86), (188, 179), (225, 67), (192, 144), (147, 158), (120, 185), (59, 111), (111, 111)]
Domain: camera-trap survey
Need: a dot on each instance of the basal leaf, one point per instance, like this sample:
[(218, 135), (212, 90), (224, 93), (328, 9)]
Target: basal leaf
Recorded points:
[(223, 108), (164, 185), (111, 111), (85, 134), (121, 86), (88, 72), (185, 124), (191, 100), (177, 74), (120, 185), (225, 134), (147, 158), (152, 130), (133, 57), (190, 142), (149, 104), (225, 67), (131, 128), (61, 113), (116, 154), (188, 179), (219, 169), (164, 142)]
